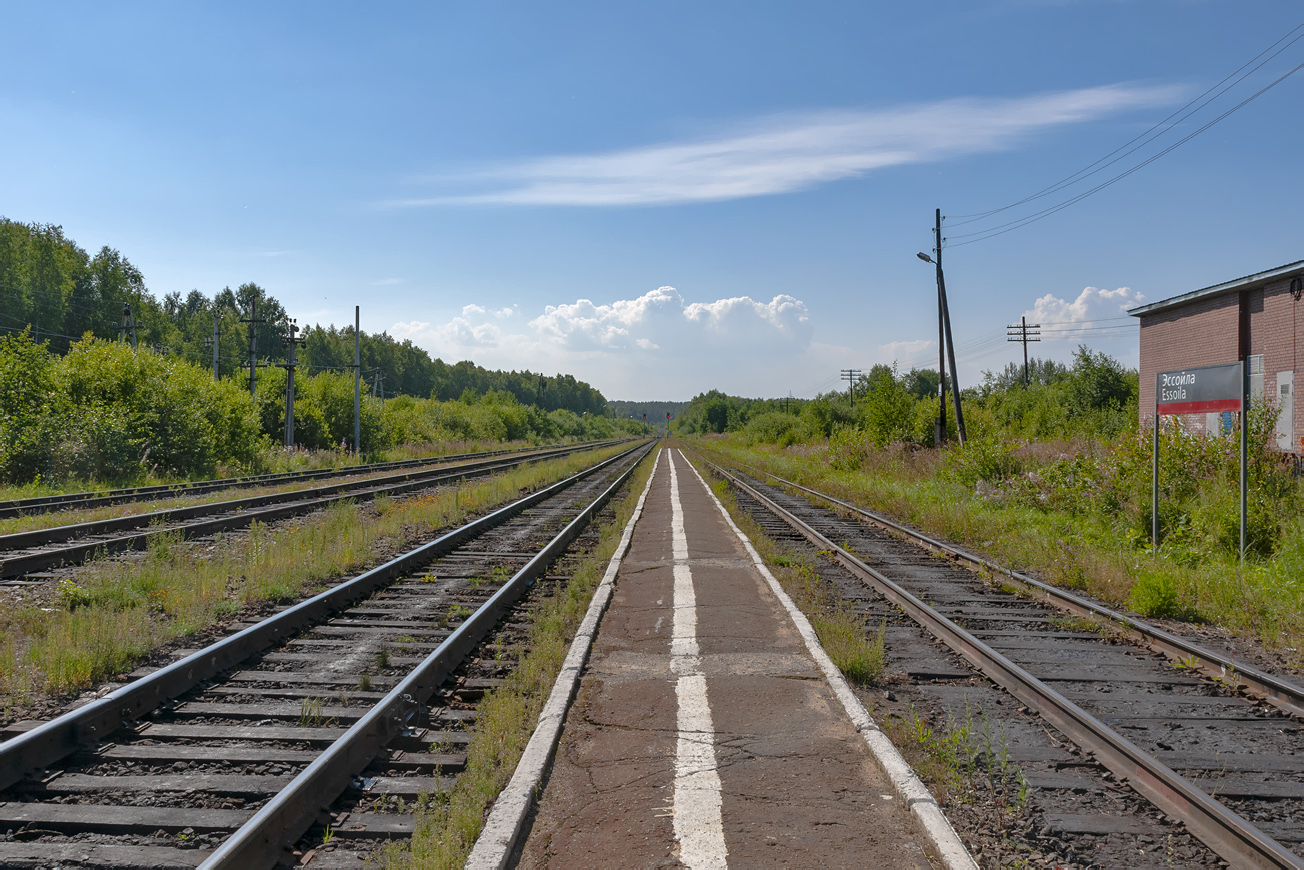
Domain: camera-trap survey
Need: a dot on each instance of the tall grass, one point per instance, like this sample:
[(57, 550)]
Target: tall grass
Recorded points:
[(1089, 550), (117, 611)]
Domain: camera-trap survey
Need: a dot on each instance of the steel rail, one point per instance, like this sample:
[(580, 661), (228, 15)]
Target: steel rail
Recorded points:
[(1271, 688), (44, 503), (60, 737), (1226, 833), (263, 840), (244, 512)]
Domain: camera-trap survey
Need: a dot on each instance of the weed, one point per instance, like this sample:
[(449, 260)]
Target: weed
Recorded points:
[(364, 683), (70, 595), (327, 836), (382, 658), (312, 713)]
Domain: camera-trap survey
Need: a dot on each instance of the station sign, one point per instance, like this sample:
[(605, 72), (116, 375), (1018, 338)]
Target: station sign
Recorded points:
[(1200, 390)]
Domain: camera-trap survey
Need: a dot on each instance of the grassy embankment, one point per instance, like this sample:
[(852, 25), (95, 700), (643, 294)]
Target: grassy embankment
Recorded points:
[(31, 522), (448, 824), (118, 611), (1089, 551), (272, 460)]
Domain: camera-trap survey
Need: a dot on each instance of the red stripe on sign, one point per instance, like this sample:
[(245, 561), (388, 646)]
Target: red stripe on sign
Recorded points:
[(1198, 407)]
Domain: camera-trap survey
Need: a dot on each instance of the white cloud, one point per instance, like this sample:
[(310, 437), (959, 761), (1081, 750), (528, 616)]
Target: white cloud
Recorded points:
[(386, 282), (635, 347), (1096, 313), (504, 312), (791, 152), (907, 353)]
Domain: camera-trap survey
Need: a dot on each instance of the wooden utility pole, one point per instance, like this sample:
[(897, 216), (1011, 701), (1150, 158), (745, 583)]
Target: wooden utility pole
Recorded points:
[(946, 319), (1019, 332), (851, 375)]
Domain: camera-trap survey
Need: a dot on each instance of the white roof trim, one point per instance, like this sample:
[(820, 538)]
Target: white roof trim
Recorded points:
[(1240, 283)]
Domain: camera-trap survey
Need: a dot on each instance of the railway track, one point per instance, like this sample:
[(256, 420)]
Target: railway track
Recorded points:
[(228, 756), (22, 554), (1227, 766), (71, 500)]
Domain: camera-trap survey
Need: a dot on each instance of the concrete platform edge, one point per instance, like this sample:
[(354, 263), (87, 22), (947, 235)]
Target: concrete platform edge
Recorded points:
[(932, 822), (497, 840)]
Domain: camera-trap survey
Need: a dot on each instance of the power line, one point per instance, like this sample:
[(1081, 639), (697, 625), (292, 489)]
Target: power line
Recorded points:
[(1147, 135), (1002, 229)]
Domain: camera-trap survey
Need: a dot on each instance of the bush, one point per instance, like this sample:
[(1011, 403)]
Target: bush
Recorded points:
[(30, 406), (773, 427), (1155, 595)]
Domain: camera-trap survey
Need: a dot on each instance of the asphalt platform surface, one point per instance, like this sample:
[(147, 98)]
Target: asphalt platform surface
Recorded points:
[(703, 733)]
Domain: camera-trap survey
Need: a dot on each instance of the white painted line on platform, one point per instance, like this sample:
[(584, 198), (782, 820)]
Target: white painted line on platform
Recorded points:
[(697, 799), (497, 840), (923, 806)]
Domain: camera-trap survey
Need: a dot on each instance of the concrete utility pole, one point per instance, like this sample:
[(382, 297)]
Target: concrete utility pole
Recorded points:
[(945, 347), (357, 379), (291, 342), (213, 342), (1019, 332), (378, 384), (253, 320), (851, 375)]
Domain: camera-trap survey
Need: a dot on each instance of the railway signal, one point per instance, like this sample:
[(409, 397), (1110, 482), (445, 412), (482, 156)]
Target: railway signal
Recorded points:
[(292, 340), (253, 320)]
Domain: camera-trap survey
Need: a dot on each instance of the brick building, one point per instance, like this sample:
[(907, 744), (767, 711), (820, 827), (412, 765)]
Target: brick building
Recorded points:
[(1255, 318)]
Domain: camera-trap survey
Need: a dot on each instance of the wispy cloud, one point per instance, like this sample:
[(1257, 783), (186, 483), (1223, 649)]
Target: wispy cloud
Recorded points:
[(787, 153), (386, 282)]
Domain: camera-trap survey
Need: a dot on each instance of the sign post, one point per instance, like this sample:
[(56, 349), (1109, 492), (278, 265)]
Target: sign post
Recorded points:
[(1204, 389)]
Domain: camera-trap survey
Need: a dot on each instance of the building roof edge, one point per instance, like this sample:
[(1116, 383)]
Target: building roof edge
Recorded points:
[(1227, 287)]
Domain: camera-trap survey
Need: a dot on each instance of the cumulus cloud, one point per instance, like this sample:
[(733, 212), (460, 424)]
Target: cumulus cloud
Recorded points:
[(780, 154), (627, 344), (1095, 312)]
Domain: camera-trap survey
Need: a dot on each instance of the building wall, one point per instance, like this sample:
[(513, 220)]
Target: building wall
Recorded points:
[(1203, 333), (1207, 332), (1281, 326)]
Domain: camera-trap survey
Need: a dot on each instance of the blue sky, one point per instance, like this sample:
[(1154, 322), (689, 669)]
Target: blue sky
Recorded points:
[(660, 198)]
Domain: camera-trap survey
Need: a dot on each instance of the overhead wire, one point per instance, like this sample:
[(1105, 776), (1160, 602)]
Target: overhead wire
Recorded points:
[(1002, 229), (1150, 134)]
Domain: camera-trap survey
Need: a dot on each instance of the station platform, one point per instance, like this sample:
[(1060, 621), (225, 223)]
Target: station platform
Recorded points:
[(704, 732)]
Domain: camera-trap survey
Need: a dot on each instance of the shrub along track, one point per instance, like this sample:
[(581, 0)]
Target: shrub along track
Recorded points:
[(259, 733), (24, 554), (1076, 674)]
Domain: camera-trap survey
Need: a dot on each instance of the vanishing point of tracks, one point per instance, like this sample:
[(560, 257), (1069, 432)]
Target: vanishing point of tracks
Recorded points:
[(1223, 757), (22, 554), (330, 712)]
